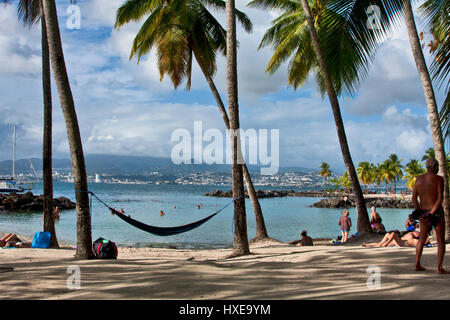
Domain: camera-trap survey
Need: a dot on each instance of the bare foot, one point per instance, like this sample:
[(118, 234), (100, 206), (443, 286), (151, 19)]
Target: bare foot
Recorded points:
[(442, 271), (419, 268)]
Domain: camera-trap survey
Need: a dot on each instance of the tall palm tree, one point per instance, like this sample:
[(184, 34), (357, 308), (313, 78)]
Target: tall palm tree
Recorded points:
[(363, 219), (413, 169), (377, 177), (29, 13), (397, 168), (84, 234), (324, 172), (331, 42), (199, 35), (430, 99), (387, 172), (240, 243)]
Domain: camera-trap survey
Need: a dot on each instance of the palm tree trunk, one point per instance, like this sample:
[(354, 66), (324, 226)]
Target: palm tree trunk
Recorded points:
[(433, 114), (84, 236), (49, 220), (240, 241), (363, 224), (261, 231)]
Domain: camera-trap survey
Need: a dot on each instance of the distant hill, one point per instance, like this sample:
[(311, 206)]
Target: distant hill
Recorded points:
[(113, 164)]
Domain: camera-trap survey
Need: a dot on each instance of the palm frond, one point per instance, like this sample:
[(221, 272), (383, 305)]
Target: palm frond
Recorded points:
[(436, 14), (28, 11), (134, 10)]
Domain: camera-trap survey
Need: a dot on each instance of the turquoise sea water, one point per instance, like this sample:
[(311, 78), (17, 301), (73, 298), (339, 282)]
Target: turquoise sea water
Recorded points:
[(284, 217)]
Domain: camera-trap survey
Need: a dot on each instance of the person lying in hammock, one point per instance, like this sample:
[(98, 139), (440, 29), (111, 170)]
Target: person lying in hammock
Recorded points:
[(392, 239)]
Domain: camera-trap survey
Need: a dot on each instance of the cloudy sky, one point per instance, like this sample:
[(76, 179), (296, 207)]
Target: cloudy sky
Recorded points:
[(124, 109)]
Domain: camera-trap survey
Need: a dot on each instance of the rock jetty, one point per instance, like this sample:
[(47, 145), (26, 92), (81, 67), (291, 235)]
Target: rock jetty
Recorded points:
[(27, 202), (377, 202), (331, 199), (260, 193)]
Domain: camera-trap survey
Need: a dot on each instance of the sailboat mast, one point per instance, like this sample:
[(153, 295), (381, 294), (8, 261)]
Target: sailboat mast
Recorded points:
[(14, 152)]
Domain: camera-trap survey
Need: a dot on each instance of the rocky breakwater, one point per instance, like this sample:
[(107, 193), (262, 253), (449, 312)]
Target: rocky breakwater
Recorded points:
[(377, 202), (259, 193), (27, 202)]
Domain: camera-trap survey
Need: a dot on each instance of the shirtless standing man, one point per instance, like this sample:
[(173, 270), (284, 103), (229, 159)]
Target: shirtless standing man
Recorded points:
[(429, 188)]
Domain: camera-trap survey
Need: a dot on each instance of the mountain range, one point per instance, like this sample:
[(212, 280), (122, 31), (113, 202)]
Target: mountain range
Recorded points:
[(133, 165)]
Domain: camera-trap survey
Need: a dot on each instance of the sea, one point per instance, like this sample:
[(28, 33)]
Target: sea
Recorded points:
[(284, 217)]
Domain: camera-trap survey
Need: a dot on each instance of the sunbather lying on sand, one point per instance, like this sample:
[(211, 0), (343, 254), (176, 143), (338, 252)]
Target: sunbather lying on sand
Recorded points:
[(9, 240), (393, 239)]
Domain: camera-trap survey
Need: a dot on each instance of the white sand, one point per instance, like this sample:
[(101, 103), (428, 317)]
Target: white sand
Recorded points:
[(273, 271)]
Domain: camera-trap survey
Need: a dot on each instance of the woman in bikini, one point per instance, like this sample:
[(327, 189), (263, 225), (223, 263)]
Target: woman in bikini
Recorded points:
[(393, 239)]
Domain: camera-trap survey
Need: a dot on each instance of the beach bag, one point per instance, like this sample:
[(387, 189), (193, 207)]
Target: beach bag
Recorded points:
[(41, 240), (105, 249)]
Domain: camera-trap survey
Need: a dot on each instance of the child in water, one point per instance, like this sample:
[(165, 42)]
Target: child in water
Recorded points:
[(345, 222)]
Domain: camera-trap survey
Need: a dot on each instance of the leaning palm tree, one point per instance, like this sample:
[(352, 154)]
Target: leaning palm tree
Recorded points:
[(324, 172), (199, 35), (84, 235), (430, 99), (29, 13)]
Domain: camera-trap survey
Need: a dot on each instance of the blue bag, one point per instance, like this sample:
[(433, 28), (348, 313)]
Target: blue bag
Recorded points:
[(41, 240)]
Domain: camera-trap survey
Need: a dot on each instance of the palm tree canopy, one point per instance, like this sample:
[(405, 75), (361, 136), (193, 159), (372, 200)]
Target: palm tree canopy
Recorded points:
[(413, 169), (429, 154), (324, 169), (396, 165), (347, 43), (364, 172), (178, 29)]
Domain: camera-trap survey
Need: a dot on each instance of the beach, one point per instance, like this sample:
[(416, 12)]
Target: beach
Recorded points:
[(274, 270)]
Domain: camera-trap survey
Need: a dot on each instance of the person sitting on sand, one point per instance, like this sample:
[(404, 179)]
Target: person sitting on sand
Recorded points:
[(305, 240), (411, 239), (375, 221), (346, 223)]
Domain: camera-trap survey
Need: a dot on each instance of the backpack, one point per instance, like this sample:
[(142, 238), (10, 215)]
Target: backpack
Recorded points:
[(105, 249), (41, 240)]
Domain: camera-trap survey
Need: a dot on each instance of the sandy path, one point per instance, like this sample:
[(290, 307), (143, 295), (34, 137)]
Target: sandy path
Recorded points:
[(273, 271)]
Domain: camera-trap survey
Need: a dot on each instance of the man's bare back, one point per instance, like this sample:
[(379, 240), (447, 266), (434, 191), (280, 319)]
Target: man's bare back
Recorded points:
[(429, 189)]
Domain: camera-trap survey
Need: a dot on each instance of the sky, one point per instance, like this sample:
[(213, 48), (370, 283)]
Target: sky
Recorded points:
[(124, 109)]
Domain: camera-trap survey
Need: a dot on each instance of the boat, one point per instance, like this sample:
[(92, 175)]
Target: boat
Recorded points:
[(9, 185)]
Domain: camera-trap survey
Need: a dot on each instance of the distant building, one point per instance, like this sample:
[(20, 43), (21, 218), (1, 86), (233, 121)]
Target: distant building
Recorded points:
[(97, 178)]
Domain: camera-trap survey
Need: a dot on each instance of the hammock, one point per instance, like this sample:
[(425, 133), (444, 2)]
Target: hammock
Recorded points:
[(161, 231)]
